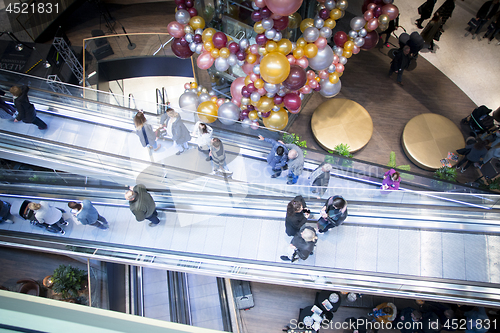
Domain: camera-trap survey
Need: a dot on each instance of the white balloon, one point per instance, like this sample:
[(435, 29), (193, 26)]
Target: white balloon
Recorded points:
[(182, 16), (192, 46), (270, 34), (221, 64), (267, 23), (198, 32), (278, 36), (243, 44), (362, 32), (270, 95), (199, 48), (189, 101), (328, 89), (271, 88), (325, 32), (330, 4), (255, 96), (357, 23), (339, 51), (256, 69), (353, 34), (311, 34), (189, 37), (322, 60), (359, 41), (254, 6), (228, 113), (232, 60), (319, 23), (204, 97), (342, 60), (246, 123)]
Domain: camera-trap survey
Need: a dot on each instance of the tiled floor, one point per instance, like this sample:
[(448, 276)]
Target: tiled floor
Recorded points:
[(156, 303), (204, 301)]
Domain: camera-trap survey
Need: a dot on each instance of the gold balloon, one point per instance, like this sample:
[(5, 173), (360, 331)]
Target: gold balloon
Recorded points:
[(271, 46), (214, 99), (298, 52), (330, 23), (383, 19), (251, 58), (258, 28), (265, 104), (284, 46), (274, 67), (276, 120), (207, 34), (310, 50), (349, 45), (342, 4), (224, 52), (214, 53), (294, 20), (334, 77), (248, 80), (308, 22), (301, 42), (252, 115), (194, 85), (335, 14), (347, 53), (259, 83), (207, 112), (262, 50), (197, 22), (209, 46), (188, 29)]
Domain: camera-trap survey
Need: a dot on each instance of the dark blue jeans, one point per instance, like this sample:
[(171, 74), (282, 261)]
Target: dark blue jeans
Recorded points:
[(38, 122), (154, 218), (480, 24)]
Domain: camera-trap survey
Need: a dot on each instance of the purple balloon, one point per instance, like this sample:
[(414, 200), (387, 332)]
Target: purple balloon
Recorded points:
[(292, 101), (245, 92), (324, 13), (265, 114), (189, 3), (192, 12), (179, 2), (240, 55), (197, 38), (318, 88), (278, 100), (183, 41), (377, 11), (233, 47), (261, 39), (296, 79), (281, 23), (251, 87), (265, 12), (219, 40), (181, 51), (256, 16), (250, 107), (181, 6), (244, 114)]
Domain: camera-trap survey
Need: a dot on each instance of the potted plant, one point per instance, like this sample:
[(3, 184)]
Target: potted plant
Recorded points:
[(68, 280)]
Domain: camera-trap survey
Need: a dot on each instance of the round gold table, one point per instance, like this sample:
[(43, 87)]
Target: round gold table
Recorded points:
[(339, 121), (428, 138)]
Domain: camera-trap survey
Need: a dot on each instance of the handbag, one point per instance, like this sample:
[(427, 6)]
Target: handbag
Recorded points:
[(438, 34), (473, 23)]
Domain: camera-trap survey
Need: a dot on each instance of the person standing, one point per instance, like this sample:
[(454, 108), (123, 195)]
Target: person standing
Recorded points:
[(295, 163), (296, 215), (400, 62), (333, 213), (446, 10), (203, 134), (145, 132), (142, 205), (48, 217), (176, 130), (86, 214), (473, 154), (277, 157), (431, 30), (391, 181), (483, 15), (320, 178), (218, 155), (302, 245), (393, 25), (425, 11), (493, 29), (25, 110)]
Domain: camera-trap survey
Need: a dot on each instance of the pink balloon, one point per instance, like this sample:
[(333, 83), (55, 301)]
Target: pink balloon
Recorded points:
[(291, 59), (254, 49), (187, 86), (391, 11), (305, 90), (205, 60), (295, 111), (220, 101), (260, 3), (372, 24), (323, 74), (237, 102), (368, 15), (292, 101), (355, 49), (310, 75), (283, 7), (236, 88), (175, 29), (254, 77), (321, 43), (313, 84), (335, 59), (339, 68), (247, 68), (371, 6), (278, 100), (262, 91), (302, 62), (276, 16)]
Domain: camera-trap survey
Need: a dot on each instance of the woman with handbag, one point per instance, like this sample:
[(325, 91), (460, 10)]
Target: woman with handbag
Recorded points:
[(333, 213), (473, 153), (432, 31), (296, 215), (145, 132)]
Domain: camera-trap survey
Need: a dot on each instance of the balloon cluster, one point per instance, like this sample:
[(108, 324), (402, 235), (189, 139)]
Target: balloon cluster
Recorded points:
[(276, 68)]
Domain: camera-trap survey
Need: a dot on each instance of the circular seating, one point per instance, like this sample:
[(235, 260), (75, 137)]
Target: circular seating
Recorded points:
[(339, 121), (427, 138)]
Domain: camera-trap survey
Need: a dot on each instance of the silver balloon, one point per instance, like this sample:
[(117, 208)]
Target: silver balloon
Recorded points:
[(246, 123), (199, 48), (359, 41), (182, 16), (339, 51), (194, 91), (328, 89), (232, 59), (189, 38), (245, 101), (221, 64), (240, 62), (353, 34), (256, 69), (199, 89), (325, 32), (267, 23), (294, 46), (189, 101), (204, 90), (319, 23), (322, 60), (198, 32), (189, 30), (204, 97), (362, 32), (310, 34), (244, 44), (342, 60), (212, 93), (192, 46), (270, 34), (254, 6), (278, 36), (255, 96), (331, 68), (271, 88), (276, 108), (342, 5), (357, 23), (282, 92), (330, 4), (228, 113), (270, 95)]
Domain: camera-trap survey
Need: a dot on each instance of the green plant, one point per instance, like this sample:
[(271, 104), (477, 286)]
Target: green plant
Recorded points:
[(405, 167), (295, 139), (495, 184), (446, 173), (68, 280), (343, 150)]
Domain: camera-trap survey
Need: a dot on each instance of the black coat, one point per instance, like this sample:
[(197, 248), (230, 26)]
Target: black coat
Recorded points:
[(401, 61), (26, 110), (483, 12), (304, 248), (425, 10), (294, 222)]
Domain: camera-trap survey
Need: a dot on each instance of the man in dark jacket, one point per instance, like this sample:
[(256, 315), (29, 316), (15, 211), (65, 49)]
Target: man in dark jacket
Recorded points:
[(277, 157), (142, 205), (425, 11), (400, 62), (302, 244), (483, 15), (26, 110)]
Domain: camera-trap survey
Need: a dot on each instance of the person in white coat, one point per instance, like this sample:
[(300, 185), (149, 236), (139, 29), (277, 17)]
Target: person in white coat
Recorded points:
[(203, 134)]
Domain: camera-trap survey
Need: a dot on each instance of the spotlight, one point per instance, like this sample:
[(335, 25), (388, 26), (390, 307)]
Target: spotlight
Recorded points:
[(19, 47), (46, 64), (92, 74)]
